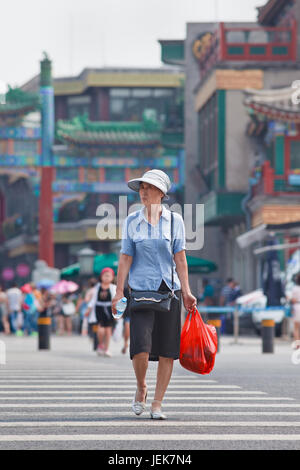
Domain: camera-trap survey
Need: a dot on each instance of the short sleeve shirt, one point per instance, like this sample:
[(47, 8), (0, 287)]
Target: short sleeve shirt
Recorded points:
[(150, 248)]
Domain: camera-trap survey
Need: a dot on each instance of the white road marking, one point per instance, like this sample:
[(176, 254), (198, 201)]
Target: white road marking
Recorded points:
[(119, 413), (112, 386), (165, 405), (99, 380), (110, 397), (148, 422), (124, 392), (146, 437)]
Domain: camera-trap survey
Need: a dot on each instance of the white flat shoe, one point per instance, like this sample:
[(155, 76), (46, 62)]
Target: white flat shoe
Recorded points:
[(139, 407), (157, 414)]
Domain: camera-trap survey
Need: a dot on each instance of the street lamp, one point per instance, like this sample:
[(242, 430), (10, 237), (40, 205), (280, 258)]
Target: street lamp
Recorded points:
[(86, 261)]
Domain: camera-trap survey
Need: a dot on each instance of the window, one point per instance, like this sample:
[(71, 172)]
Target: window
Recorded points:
[(295, 155), (78, 105), (25, 147), (208, 149), (117, 106), (114, 174), (129, 104), (3, 146), (141, 92), (70, 174), (91, 175), (160, 92), (119, 92)]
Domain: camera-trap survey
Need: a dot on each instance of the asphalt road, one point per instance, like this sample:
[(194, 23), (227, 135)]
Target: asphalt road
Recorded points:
[(69, 398)]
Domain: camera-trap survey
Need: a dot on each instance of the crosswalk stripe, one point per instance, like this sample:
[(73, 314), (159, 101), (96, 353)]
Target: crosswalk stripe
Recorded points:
[(135, 422), (147, 437), (99, 373), (191, 413), (111, 387), (122, 405), (124, 392), (107, 397), (94, 380)]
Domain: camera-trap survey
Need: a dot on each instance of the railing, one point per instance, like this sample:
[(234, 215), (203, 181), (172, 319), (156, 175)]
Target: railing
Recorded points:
[(254, 44), (237, 310)]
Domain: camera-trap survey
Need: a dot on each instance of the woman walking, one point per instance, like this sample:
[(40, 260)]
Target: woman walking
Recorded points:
[(147, 255), (100, 311), (295, 300), (65, 315)]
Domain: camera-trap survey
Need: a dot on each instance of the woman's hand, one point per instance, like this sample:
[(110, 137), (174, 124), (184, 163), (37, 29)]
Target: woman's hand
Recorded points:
[(115, 300), (189, 300)]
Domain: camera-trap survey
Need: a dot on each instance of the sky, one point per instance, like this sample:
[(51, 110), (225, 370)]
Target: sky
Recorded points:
[(100, 33)]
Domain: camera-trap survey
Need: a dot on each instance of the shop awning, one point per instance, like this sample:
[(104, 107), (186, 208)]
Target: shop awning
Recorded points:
[(69, 271), (255, 235), (200, 265), (107, 260), (261, 232)]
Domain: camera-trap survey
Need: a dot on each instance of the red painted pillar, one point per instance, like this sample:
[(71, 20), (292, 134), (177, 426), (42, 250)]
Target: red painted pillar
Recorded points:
[(268, 178), (294, 40), (46, 242), (222, 46)]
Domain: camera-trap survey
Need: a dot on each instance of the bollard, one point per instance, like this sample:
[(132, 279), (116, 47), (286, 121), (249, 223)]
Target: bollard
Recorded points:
[(267, 334), (217, 325), (44, 330), (95, 336)]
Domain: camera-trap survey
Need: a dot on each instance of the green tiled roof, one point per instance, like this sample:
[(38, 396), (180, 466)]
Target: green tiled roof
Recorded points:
[(82, 131), (19, 102)]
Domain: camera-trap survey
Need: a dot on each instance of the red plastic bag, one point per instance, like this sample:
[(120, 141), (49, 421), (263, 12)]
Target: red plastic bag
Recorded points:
[(198, 344)]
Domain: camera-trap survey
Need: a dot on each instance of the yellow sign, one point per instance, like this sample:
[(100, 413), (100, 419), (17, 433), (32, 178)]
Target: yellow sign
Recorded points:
[(201, 45)]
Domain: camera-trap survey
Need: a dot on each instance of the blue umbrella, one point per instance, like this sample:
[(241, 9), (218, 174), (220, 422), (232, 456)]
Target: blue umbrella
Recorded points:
[(45, 283)]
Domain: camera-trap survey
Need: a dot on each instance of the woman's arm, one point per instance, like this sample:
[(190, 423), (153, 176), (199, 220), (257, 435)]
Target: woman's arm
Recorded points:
[(189, 301), (123, 270)]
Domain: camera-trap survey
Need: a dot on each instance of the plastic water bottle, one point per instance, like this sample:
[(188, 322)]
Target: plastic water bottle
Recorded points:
[(120, 307)]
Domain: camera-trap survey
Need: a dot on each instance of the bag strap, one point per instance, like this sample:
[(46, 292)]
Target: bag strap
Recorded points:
[(172, 223)]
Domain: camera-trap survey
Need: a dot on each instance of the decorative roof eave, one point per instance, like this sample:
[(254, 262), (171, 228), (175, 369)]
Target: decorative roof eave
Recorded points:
[(274, 113), (80, 130), (269, 96), (85, 139), (274, 104), (15, 109), (267, 12), (19, 103)]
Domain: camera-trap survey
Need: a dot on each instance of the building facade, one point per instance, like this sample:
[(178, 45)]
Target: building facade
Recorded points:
[(110, 126), (222, 61)]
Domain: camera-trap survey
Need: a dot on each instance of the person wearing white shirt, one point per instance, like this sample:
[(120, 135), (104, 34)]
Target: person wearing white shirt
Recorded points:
[(14, 298)]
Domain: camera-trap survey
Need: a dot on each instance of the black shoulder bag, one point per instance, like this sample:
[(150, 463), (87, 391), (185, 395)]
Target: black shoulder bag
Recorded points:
[(154, 300)]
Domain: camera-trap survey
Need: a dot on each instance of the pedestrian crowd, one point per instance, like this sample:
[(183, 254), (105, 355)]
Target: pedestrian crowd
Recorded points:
[(91, 306), (71, 312)]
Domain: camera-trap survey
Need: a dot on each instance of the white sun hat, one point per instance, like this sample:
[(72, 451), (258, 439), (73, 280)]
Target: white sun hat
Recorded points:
[(157, 178)]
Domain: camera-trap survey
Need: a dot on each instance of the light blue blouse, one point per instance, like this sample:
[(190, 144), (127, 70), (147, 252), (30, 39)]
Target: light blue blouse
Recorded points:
[(150, 247)]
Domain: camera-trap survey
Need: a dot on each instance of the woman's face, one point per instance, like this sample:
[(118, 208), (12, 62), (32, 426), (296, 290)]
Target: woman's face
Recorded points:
[(150, 194), (107, 277)]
